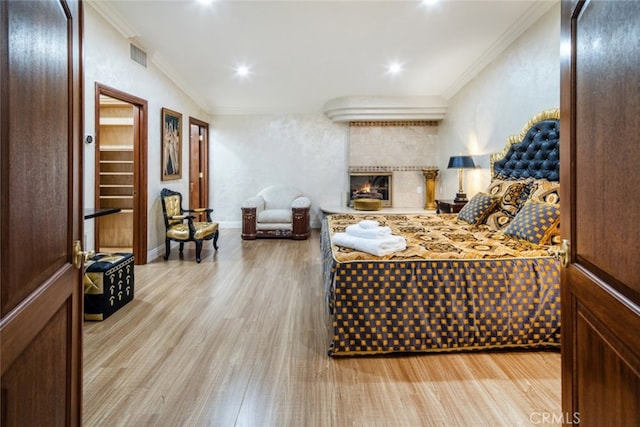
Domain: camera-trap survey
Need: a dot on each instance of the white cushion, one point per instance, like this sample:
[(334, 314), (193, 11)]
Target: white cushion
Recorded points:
[(279, 196), (273, 226), (275, 216), (301, 202), (254, 202)]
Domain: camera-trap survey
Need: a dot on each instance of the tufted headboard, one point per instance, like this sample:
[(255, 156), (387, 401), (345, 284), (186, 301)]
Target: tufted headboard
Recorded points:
[(534, 153)]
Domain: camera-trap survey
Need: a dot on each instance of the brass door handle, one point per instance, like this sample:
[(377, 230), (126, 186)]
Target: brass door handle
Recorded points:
[(561, 252), (79, 256)]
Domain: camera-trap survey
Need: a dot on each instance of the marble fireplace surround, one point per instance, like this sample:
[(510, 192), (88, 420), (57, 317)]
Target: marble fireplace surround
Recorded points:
[(402, 148), (397, 134)]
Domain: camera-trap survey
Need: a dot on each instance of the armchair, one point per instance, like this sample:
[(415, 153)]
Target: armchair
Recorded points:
[(181, 227), (276, 212)]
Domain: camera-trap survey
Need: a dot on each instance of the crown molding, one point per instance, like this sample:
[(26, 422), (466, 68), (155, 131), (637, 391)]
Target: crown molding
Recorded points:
[(116, 20), (126, 30), (516, 29), (166, 69), (385, 108)]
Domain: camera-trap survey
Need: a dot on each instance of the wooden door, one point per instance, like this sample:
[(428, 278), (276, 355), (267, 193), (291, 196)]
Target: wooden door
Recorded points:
[(121, 139), (41, 158), (198, 164), (600, 119)]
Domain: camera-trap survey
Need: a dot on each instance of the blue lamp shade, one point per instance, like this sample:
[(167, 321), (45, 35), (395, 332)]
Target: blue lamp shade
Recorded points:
[(461, 162)]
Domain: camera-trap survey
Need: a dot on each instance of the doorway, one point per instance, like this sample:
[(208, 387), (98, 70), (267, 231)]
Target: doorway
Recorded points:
[(198, 165), (121, 173)]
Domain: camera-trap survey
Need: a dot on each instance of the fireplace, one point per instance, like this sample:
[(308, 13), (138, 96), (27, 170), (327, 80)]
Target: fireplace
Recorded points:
[(366, 185)]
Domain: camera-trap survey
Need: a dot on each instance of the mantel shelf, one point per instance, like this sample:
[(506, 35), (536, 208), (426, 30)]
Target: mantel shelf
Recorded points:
[(327, 210)]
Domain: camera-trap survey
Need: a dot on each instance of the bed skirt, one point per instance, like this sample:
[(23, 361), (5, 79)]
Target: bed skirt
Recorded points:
[(385, 306)]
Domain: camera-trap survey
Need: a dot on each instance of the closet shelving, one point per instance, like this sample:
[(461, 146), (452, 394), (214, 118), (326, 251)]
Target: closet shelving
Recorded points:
[(115, 174)]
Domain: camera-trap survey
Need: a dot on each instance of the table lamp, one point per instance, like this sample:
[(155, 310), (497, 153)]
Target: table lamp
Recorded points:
[(460, 163)]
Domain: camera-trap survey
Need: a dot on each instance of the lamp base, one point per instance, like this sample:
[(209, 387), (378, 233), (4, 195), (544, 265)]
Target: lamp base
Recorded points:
[(461, 197)]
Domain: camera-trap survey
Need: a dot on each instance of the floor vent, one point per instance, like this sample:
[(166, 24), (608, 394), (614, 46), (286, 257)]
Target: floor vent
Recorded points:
[(138, 55)]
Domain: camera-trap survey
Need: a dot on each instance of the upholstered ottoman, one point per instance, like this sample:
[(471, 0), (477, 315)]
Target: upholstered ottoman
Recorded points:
[(108, 284), (367, 204)]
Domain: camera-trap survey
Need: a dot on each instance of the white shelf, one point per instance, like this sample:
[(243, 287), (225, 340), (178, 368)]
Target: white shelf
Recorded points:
[(116, 121), (117, 161), (116, 147)]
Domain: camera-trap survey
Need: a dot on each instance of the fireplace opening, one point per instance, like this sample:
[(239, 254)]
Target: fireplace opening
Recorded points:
[(370, 186)]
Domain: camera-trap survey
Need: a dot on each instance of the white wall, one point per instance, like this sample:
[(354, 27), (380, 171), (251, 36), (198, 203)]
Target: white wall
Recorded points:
[(252, 152), (107, 61), (499, 101), (248, 153)]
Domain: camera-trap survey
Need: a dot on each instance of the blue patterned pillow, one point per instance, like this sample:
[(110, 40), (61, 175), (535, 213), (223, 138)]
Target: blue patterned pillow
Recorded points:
[(535, 222), (512, 194), (477, 209), (545, 191)]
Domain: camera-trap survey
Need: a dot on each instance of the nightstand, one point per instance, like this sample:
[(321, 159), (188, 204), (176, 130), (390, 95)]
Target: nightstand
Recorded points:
[(449, 206)]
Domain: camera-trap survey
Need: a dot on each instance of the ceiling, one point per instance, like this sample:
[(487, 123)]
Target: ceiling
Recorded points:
[(301, 54)]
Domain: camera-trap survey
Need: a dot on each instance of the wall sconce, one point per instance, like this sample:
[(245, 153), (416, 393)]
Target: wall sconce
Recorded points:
[(460, 163)]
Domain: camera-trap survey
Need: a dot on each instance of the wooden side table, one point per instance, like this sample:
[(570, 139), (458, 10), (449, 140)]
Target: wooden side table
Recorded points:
[(449, 206)]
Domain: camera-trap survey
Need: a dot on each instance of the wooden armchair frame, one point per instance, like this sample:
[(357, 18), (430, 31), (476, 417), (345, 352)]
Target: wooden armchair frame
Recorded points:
[(181, 227)]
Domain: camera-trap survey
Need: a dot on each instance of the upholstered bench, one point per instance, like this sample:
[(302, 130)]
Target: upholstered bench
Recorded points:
[(108, 284), (367, 204)]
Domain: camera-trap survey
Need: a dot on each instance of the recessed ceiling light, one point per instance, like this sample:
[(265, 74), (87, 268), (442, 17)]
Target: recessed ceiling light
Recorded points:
[(394, 68), (243, 71)]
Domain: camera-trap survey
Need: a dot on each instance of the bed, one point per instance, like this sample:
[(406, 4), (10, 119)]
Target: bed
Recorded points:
[(482, 279)]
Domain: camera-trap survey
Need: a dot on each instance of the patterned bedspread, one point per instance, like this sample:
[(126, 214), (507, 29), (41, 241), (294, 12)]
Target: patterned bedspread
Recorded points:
[(456, 287), (436, 237)]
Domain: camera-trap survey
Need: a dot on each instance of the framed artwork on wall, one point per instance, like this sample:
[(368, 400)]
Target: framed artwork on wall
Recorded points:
[(171, 145)]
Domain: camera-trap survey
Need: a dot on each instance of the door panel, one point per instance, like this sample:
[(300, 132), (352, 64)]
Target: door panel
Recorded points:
[(27, 273), (47, 393), (40, 290), (600, 119), (606, 176)]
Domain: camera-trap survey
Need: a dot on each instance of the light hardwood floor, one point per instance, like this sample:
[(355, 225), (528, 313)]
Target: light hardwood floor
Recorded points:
[(241, 340)]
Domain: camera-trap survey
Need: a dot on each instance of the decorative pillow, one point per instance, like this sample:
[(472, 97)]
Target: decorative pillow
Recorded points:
[(477, 209), (535, 222), (555, 238), (499, 186), (512, 194), (546, 191)]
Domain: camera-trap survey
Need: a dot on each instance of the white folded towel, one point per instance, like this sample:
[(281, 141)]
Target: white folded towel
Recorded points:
[(368, 233), (368, 223), (379, 247)]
